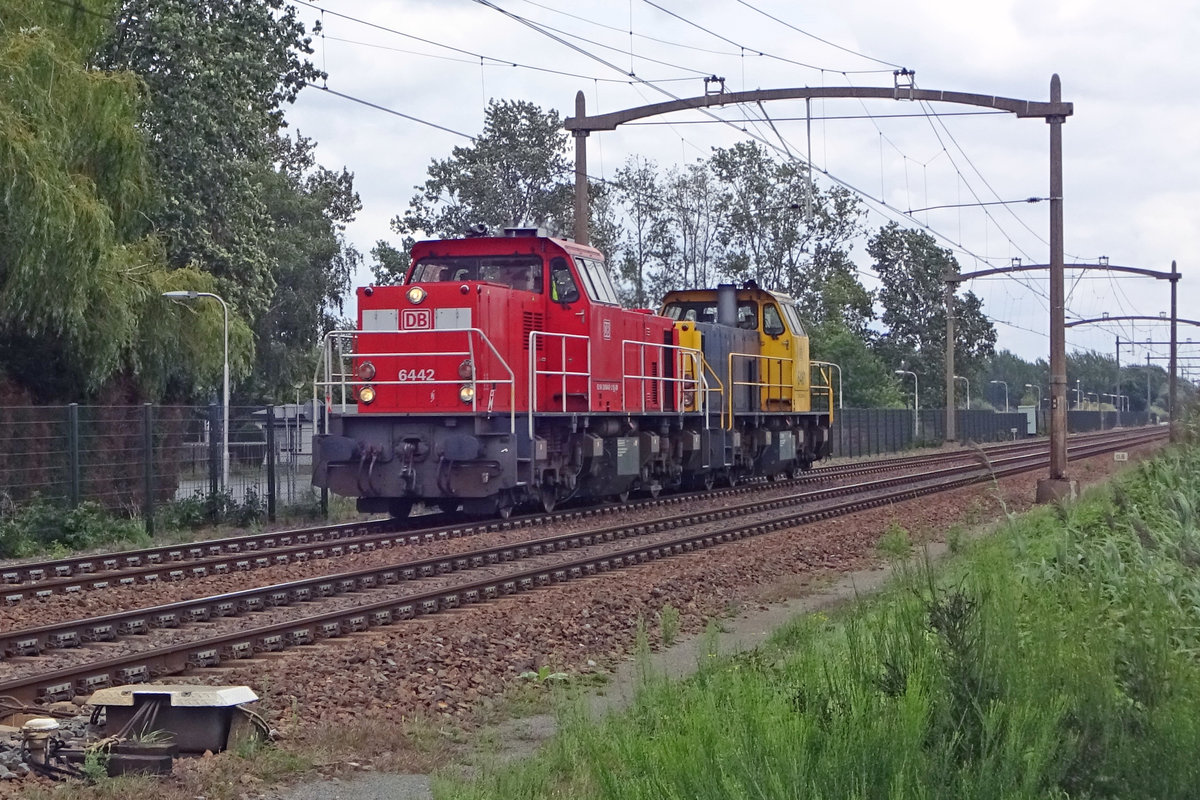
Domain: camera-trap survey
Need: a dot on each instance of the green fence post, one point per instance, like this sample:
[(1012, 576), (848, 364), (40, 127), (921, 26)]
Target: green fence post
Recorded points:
[(148, 464), (73, 453), (270, 463)]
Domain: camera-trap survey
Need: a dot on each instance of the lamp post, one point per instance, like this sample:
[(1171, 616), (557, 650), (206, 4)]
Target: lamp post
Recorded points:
[(916, 395), (967, 384), (1005, 385), (1039, 392), (190, 295)]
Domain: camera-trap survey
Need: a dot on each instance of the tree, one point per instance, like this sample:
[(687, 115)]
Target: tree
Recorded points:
[(236, 197), (760, 236), (516, 173), (910, 267), (390, 264), (78, 271), (647, 248), (217, 74), (691, 195), (312, 265), (867, 382)]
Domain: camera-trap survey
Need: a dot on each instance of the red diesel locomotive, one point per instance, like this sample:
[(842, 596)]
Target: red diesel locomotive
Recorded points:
[(504, 372)]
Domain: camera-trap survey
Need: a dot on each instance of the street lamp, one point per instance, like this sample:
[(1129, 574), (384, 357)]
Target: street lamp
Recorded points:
[(1039, 392), (916, 395), (1005, 384), (967, 384), (190, 295)]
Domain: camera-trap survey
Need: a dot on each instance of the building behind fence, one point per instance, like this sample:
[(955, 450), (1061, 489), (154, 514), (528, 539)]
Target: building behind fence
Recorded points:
[(136, 459)]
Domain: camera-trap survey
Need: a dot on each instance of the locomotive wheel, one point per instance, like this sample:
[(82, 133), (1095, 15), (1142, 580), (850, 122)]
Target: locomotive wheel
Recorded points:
[(707, 481), (400, 509), (623, 497), (655, 489)]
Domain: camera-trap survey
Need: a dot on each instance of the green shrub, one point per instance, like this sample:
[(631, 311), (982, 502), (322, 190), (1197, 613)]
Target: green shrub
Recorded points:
[(44, 526)]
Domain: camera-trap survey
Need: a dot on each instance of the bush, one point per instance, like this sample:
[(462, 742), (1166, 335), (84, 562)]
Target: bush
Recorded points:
[(42, 526), (213, 508)]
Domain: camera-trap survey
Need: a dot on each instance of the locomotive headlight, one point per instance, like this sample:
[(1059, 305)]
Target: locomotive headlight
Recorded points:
[(416, 295), (466, 370), (366, 395), (366, 371), (466, 393)]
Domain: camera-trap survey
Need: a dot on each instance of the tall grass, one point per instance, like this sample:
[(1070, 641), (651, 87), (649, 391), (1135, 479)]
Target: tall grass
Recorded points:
[(1058, 659)]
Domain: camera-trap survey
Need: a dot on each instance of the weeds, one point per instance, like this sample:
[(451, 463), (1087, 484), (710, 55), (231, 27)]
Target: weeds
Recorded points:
[(668, 623)]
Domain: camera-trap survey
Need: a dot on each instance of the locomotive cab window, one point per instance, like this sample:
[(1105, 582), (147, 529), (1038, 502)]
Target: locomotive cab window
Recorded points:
[(562, 283), (597, 281), (793, 319), (521, 272), (772, 322)]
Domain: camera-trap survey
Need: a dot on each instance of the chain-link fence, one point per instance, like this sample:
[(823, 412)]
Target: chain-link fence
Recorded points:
[(141, 459)]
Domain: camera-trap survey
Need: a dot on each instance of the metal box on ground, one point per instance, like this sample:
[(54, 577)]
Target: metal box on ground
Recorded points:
[(196, 717)]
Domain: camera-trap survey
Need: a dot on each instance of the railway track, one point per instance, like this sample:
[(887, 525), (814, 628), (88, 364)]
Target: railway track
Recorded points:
[(170, 563), (380, 596)]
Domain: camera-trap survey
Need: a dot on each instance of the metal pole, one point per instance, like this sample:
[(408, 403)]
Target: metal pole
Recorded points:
[(581, 183), (148, 466), (1118, 390), (73, 453), (225, 403), (1174, 342), (271, 461), (1058, 339), (950, 413), (1147, 388)]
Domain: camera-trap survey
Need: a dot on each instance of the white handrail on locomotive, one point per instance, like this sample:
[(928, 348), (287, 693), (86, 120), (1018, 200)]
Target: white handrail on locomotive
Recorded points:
[(759, 384), (822, 369), (346, 369), (564, 373), (680, 353), (535, 373)]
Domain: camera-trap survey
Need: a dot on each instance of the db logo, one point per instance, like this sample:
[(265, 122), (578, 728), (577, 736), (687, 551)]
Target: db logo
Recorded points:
[(607, 328), (416, 319)]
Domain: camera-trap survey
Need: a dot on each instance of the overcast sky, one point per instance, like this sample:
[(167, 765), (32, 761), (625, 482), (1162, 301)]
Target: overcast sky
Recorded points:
[(1131, 150)]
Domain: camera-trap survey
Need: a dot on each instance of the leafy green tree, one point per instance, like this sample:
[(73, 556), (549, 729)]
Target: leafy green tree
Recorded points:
[(760, 235), (78, 270), (516, 173), (910, 267), (389, 264), (773, 227), (691, 197), (217, 75), (312, 263), (236, 197), (867, 382), (647, 248)]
